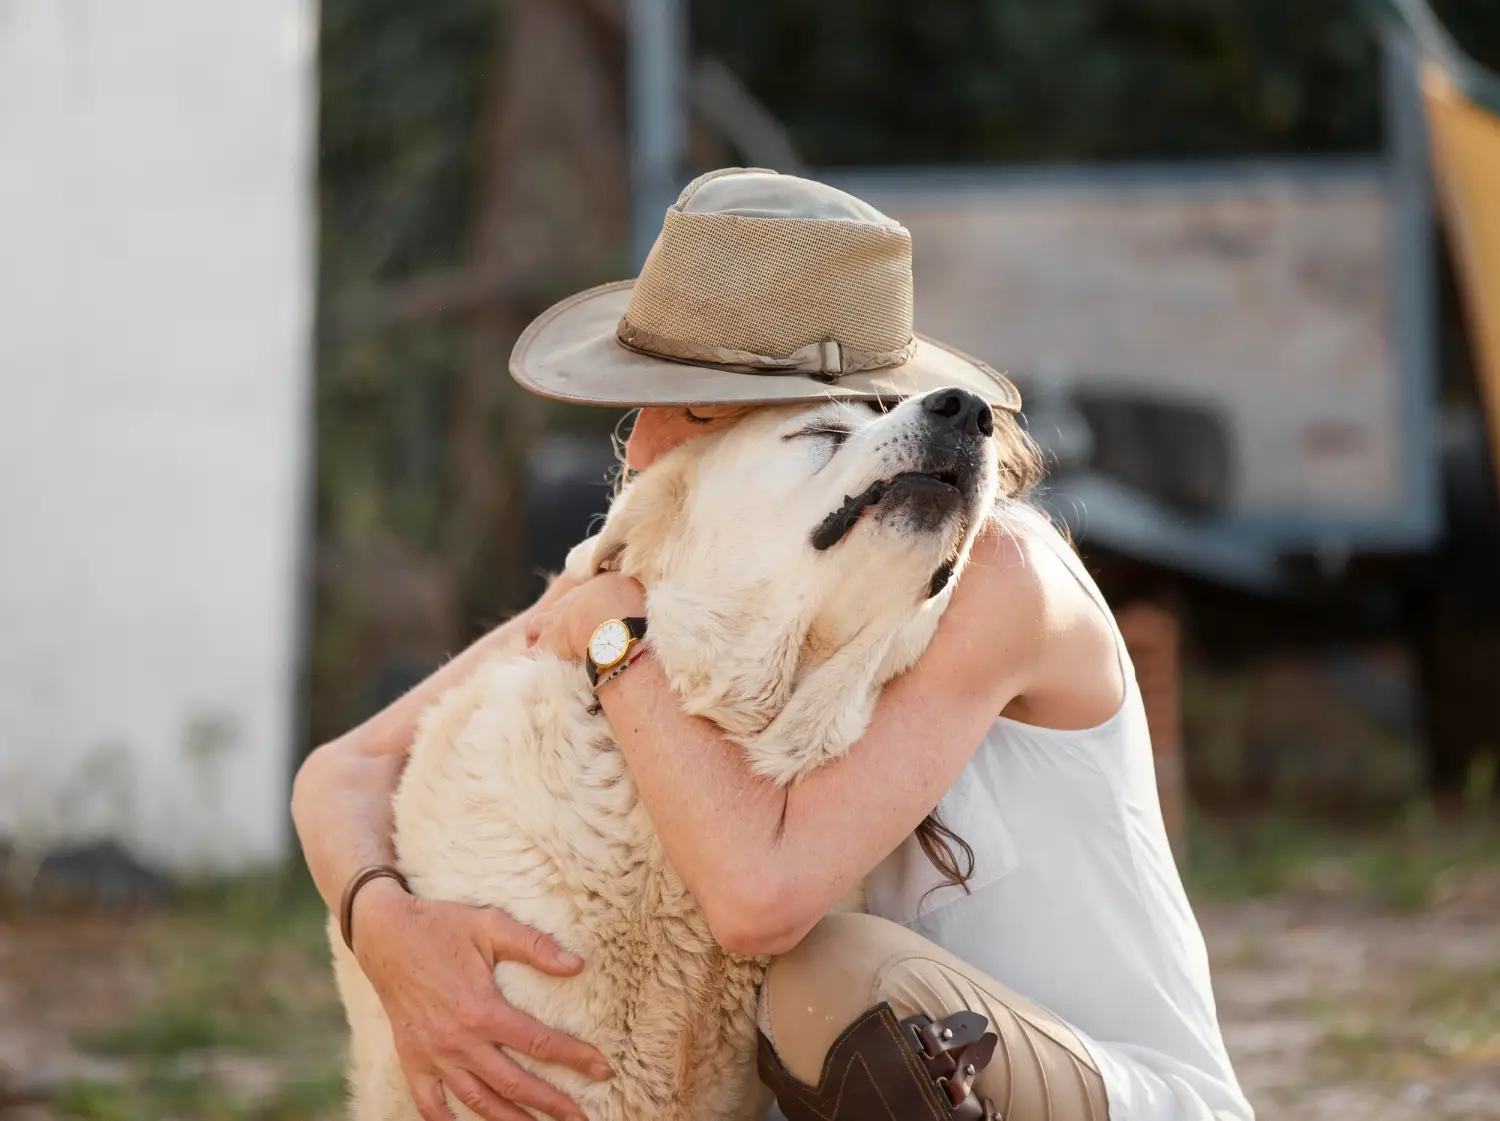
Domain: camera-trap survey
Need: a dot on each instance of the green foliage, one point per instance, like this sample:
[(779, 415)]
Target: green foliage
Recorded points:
[(1400, 867), (400, 93), (160, 1096), (245, 1024), (401, 87), (1445, 1018), (168, 1030), (95, 1101), (1474, 26), (886, 81)]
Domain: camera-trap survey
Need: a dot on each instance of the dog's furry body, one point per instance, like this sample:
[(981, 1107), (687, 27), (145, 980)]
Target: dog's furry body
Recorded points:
[(516, 795)]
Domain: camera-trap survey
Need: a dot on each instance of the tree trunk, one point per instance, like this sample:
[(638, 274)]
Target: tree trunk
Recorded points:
[(551, 218)]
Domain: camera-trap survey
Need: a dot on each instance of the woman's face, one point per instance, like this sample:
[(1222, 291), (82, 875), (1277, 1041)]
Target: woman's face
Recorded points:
[(659, 429)]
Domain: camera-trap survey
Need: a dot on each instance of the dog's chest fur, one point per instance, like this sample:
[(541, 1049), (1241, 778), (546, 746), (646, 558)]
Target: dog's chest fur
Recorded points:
[(516, 796)]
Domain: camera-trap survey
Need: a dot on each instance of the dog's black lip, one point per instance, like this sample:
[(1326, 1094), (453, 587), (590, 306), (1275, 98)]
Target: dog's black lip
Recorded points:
[(948, 479), (838, 524), (940, 578)]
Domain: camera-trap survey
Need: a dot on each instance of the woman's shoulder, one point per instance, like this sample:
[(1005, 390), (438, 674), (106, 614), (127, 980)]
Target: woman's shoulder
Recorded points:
[(1075, 677), (1019, 552), (1003, 579)]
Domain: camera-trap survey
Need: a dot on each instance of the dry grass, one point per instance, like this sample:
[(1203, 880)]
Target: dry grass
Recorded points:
[(223, 1010), (1358, 973)]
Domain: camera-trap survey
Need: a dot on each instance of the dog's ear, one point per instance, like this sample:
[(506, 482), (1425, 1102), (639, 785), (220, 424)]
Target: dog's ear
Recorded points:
[(833, 698), (727, 657), (641, 520), (829, 708)]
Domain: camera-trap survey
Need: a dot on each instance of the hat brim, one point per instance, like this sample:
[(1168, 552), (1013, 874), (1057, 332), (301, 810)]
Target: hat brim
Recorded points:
[(570, 353)]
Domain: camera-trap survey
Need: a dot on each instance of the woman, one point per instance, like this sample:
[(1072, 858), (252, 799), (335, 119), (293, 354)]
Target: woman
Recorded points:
[(1061, 921)]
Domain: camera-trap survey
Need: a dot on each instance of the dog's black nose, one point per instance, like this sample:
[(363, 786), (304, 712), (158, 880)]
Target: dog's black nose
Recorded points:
[(961, 410)]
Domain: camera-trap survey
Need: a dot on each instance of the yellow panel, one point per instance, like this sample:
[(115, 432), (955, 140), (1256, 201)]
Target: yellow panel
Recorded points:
[(1466, 158)]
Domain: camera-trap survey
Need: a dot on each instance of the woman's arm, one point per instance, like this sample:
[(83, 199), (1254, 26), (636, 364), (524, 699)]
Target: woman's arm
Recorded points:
[(766, 863), (341, 796), (432, 963)]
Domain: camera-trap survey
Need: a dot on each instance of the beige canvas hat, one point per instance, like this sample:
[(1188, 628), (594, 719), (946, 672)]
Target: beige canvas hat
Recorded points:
[(761, 288)]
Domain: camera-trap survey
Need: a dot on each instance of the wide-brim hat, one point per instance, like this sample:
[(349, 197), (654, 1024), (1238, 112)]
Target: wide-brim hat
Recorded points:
[(760, 289)]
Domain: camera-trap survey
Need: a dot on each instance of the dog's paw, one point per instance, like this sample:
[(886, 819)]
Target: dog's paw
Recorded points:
[(785, 763), (580, 564)]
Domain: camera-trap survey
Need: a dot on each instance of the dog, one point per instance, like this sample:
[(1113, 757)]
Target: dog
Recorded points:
[(794, 562)]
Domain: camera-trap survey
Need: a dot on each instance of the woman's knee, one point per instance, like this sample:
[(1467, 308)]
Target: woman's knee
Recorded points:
[(816, 990), (850, 963), (840, 936), (844, 953)]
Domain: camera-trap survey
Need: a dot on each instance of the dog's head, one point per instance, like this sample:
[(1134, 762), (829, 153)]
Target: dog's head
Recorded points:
[(800, 558)]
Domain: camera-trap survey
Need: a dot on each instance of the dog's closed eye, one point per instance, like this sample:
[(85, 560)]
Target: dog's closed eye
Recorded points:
[(830, 432)]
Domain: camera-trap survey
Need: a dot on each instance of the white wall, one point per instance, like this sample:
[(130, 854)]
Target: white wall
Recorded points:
[(156, 266)]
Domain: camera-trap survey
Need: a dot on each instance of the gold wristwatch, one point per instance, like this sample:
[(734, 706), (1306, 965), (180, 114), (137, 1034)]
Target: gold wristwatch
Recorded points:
[(612, 643)]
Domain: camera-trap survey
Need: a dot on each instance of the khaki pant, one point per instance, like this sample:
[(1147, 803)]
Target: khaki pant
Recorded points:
[(852, 962)]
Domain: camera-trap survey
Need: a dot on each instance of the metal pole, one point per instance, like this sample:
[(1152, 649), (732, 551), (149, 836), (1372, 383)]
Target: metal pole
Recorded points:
[(657, 45), (1413, 280)]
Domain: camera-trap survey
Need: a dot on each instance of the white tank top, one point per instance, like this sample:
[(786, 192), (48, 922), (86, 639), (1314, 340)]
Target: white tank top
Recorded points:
[(1077, 902)]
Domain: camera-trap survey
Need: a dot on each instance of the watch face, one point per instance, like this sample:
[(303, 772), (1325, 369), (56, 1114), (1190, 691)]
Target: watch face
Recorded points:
[(608, 644)]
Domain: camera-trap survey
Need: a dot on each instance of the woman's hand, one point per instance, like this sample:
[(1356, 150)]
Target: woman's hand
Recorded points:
[(565, 628), (432, 965)]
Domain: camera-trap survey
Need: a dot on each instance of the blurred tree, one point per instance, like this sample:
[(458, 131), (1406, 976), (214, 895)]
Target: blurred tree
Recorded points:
[(400, 94), (472, 163)]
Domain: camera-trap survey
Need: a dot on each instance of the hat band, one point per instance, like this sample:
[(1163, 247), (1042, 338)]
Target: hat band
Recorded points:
[(827, 360)]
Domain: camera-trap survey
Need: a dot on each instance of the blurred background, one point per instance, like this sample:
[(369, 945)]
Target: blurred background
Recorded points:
[(262, 467)]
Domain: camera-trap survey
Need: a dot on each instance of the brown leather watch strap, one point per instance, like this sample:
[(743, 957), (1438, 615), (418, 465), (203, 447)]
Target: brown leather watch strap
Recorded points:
[(357, 881)]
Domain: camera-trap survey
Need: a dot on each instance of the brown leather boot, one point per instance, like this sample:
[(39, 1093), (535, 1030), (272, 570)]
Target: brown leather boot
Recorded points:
[(882, 1069)]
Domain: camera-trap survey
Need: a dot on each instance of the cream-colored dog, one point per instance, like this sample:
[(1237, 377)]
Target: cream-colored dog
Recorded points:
[(794, 563)]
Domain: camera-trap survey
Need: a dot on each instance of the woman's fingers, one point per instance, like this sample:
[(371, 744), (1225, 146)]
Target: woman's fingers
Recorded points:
[(537, 623), (475, 1095), (505, 1024), (501, 1081), (432, 965), (513, 941), (427, 1095)]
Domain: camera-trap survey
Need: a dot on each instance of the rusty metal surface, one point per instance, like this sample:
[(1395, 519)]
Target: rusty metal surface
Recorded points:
[(1268, 303)]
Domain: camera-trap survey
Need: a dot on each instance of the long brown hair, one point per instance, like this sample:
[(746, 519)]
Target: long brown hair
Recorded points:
[(1021, 470), (1021, 466), (938, 842)]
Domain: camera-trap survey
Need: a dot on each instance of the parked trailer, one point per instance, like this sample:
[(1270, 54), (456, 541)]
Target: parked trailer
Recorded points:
[(1235, 367), (1235, 370)]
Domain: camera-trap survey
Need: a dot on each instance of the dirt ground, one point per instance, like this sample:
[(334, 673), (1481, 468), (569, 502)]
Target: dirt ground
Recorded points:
[(1333, 1012), (1354, 980)]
